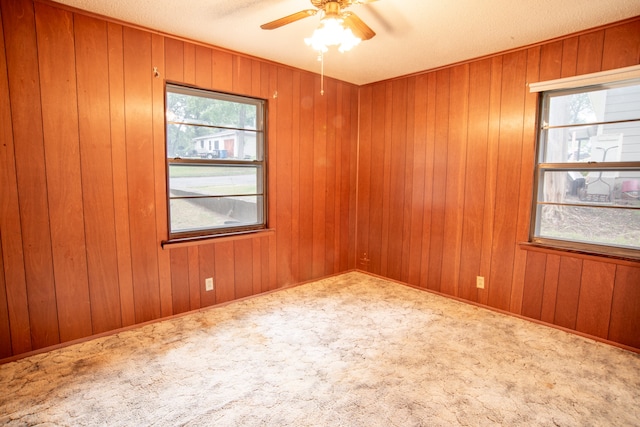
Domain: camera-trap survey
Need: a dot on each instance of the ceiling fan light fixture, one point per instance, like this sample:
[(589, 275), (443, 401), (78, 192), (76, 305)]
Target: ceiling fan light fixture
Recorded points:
[(331, 32), (337, 28)]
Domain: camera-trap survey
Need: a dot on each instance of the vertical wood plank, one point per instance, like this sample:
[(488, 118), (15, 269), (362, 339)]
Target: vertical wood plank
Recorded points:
[(92, 69), (222, 78), (160, 174), (419, 172), (596, 294), (224, 268), (305, 238), (397, 156), (495, 97), (283, 177), (242, 69), (351, 135), (338, 123), (189, 64), (386, 177), (265, 89), (354, 103), (206, 264), (621, 46), (534, 284), (568, 292), (590, 49), (439, 179), (408, 179), (347, 177), (138, 98), (569, 57), (195, 285), (508, 175), (319, 182), (430, 142), (180, 280), (295, 181), (203, 67), (174, 59), (456, 178), (256, 78), (56, 58), (272, 87), (624, 326), (377, 175), (551, 276), (11, 237), (243, 262), (266, 260), (551, 61), (364, 177), (119, 166), (330, 189), (476, 169), (256, 247)]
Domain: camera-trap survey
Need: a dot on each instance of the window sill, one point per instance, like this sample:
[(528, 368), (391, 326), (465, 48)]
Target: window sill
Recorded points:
[(202, 240), (576, 253)]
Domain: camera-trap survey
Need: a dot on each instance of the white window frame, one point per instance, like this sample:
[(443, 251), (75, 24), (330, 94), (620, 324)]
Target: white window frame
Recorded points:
[(579, 84)]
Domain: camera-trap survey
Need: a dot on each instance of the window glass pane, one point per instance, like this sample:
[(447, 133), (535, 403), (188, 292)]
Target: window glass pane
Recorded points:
[(208, 180), (596, 106), (189, 215), (213, 143), (227, 144), (198, 110), (617, 142), (621, 188), (605, 226)]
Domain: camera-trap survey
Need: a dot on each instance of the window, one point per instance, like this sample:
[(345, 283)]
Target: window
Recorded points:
[(214, 190), (587, 193)]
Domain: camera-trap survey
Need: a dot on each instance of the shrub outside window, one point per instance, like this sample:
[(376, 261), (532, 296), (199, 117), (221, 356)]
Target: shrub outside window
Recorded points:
[(587, 193), (215, 162)]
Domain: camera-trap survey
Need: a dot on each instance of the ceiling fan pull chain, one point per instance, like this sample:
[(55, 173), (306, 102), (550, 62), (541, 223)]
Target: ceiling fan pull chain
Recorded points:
[(321, 73)]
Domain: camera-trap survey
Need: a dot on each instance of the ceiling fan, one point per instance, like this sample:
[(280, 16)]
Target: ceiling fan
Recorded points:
[(330, 9)]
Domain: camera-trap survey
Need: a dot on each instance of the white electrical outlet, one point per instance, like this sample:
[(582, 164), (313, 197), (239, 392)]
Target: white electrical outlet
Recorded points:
[(208, 283), (480, 282)]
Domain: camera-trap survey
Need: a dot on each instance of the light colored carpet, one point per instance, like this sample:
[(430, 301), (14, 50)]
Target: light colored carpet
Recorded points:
[(351, 350)]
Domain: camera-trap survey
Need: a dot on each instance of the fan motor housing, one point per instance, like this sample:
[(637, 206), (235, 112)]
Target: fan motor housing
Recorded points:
[(320, 3)]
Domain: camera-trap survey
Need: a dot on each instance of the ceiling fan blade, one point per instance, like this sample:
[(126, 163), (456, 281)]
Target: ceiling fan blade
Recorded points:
[(357, 26), (288, 19)]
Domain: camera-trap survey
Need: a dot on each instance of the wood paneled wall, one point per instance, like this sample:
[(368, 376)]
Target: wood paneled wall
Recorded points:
[(83, 178), (441, 163), (445, 182)]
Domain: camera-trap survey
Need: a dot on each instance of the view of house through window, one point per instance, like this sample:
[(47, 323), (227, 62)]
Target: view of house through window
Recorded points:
[(215, 162), (588, 171)]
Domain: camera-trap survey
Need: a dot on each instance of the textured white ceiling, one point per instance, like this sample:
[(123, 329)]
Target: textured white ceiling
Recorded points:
[(412, 35)]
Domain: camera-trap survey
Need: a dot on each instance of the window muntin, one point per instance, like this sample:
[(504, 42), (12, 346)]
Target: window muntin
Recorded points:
[(587, 195), (216, 167)]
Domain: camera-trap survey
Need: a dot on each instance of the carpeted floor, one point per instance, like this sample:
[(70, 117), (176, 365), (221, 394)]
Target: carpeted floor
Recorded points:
[(351, 350)]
